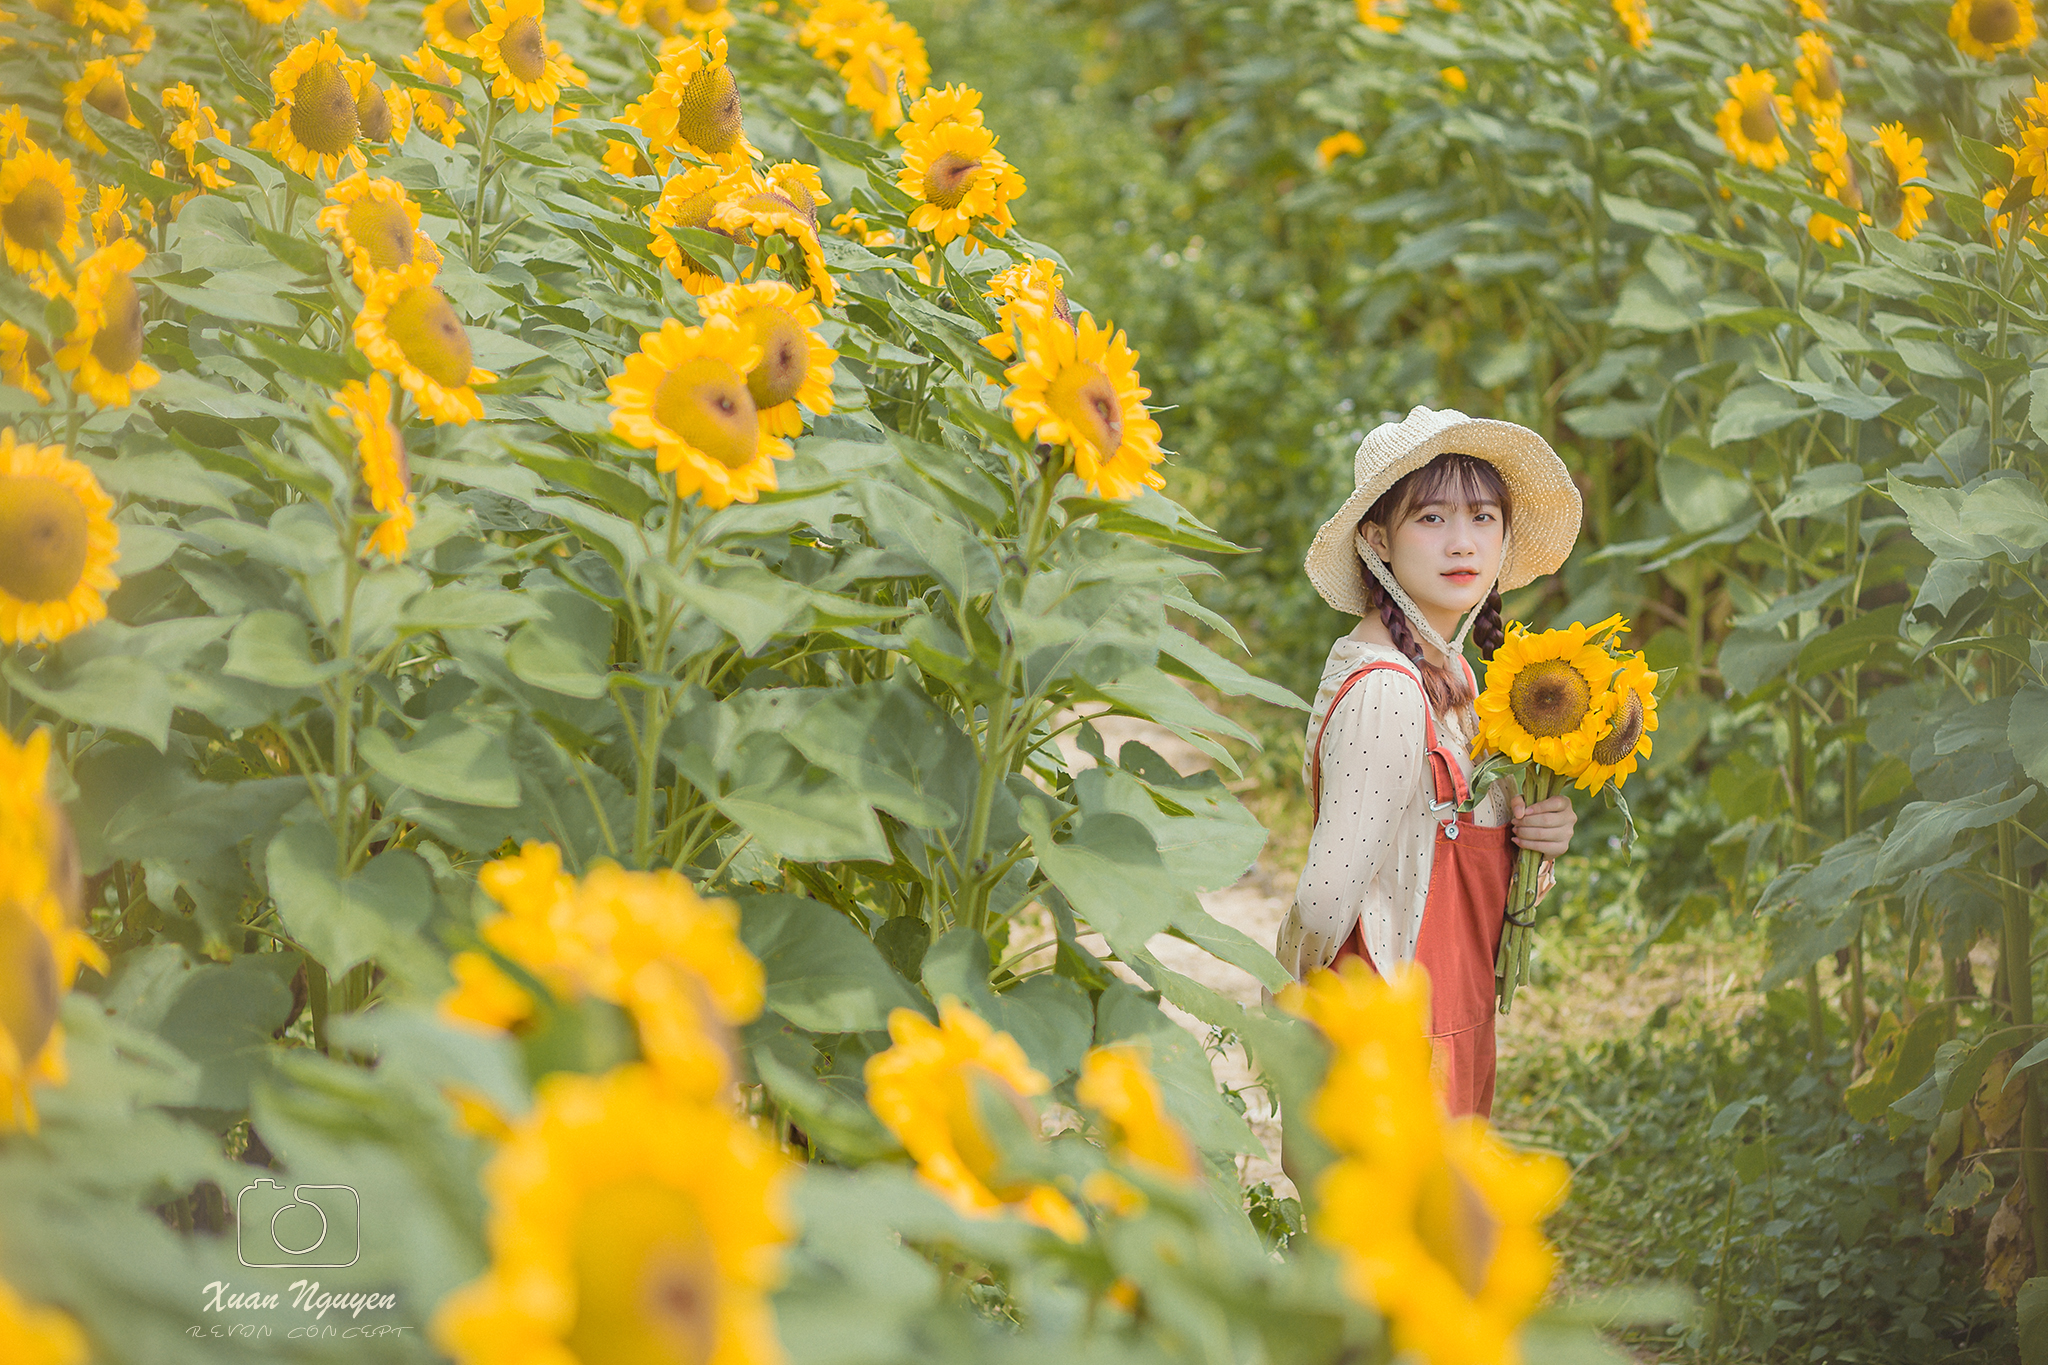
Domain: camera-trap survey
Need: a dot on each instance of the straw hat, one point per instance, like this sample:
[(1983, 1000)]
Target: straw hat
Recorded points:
[(1546, 502)]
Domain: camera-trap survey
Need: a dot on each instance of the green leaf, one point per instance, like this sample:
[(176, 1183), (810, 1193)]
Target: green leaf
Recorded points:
[(944, 545), (344, 920), (1998, 516), (2027, 731), (272, 647), (459, 606), (453, 758), (569, 649), (1751, 658), (1755, 410), (1925, 829), (1901, 1069), (219, 1016), (894, 747), (1699, 498), (1848, 644), (1822, 488), (823, 974)]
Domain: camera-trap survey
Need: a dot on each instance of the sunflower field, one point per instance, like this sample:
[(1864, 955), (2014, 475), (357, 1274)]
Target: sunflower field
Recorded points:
[(1769, 275), (547, 556)]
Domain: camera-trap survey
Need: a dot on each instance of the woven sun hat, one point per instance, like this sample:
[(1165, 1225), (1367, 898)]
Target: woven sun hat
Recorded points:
[(1547, 507)]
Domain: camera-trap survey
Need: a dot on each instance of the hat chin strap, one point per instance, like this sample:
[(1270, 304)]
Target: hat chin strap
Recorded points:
[(1416, 620)]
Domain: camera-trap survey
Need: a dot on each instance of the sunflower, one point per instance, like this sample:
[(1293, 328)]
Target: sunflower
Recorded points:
[(315, 125), (1837, 170), (831, 31), (1752, 121), (770, 208), (795, 366), (1985, 28), (1024, 293), (451, 26), (701, 16), (1813, 11), (929, 1089), (2030, 158), (1077, 386), (273, 11), (21, 356), (936, 106), (32, 1335), (1454, 77), (439, 115), (626, 1224), (1437, 1223), (1543, 697), (382, 115), (1346, 143), (887, 56), (58, 544), (409, 329), (1630, 722), (101, 85), (483, 994), (380, 449), (41, 877), (851, 224), (1117, 1085), (123, 18), (13, 129), (1379, 20), (1817, 88), (514, 47), (684, 395), (624, 160), (694, 108), (641, 940), (103, 351), (197, 123), (687, 201), (1908, 162), (1635, 22), (960, 178), (110, 220), (377, 226), (39, 204)]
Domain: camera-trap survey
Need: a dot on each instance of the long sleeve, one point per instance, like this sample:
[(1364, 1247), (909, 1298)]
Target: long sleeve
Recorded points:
[(1372, 760)]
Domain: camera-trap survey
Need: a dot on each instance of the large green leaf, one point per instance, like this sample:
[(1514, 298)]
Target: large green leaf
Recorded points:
[(823, 974), (455, 758), (1999, 516), (344, 920)]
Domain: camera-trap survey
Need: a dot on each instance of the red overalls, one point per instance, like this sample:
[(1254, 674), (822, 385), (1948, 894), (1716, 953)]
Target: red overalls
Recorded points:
[(1469, 869)]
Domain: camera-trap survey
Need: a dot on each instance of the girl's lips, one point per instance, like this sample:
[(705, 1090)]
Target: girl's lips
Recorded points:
[(1462, 573)]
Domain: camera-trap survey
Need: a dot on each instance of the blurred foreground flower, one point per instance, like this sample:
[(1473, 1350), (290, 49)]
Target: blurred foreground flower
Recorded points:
[(1438, 1222), (931, 1089), (43, 942), (641, 940), (626, 1224)]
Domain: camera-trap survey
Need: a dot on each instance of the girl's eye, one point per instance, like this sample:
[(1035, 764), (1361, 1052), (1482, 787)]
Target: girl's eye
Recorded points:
[(1431, 516)]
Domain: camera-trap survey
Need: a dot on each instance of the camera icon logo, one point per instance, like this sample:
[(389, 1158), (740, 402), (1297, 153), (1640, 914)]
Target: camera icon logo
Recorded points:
[(316, 1227)]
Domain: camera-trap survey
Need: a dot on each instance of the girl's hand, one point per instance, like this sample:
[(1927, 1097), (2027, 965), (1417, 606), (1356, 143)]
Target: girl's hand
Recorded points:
[(1546, 826)]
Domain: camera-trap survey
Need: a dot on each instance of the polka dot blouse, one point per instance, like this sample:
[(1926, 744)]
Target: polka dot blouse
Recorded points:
[(1369, 856)]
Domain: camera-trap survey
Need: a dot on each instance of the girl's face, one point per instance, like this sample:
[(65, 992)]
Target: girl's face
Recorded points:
[(1445, 554)]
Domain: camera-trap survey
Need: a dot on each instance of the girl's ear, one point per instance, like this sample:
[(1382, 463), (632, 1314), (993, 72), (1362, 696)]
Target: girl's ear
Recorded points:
[(1376, 536)]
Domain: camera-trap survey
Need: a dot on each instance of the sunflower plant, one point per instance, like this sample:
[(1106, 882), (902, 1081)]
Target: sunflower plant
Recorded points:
[(1561, 707), (553, 618)]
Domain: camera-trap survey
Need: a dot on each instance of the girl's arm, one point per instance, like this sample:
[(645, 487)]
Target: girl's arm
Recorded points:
[(1372, 757)]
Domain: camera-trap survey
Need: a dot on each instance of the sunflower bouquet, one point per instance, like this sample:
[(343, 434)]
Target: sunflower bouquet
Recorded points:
[(1561, 707)]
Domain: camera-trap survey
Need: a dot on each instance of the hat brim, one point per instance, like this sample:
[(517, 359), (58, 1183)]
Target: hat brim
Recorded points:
[(1547, 506)]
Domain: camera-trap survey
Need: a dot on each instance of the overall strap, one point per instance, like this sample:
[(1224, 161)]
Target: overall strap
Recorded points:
[(1447, 777)]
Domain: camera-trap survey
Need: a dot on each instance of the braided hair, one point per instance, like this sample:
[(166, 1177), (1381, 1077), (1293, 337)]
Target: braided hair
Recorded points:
[(1473, 480)]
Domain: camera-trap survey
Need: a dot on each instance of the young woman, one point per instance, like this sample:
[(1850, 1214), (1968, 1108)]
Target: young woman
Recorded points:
[(1448, 511)]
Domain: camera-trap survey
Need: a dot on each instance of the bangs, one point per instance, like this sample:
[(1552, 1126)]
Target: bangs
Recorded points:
[(1450, 478)]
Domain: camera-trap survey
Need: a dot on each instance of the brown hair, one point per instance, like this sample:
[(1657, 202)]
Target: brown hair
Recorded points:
[(1448, 477)]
